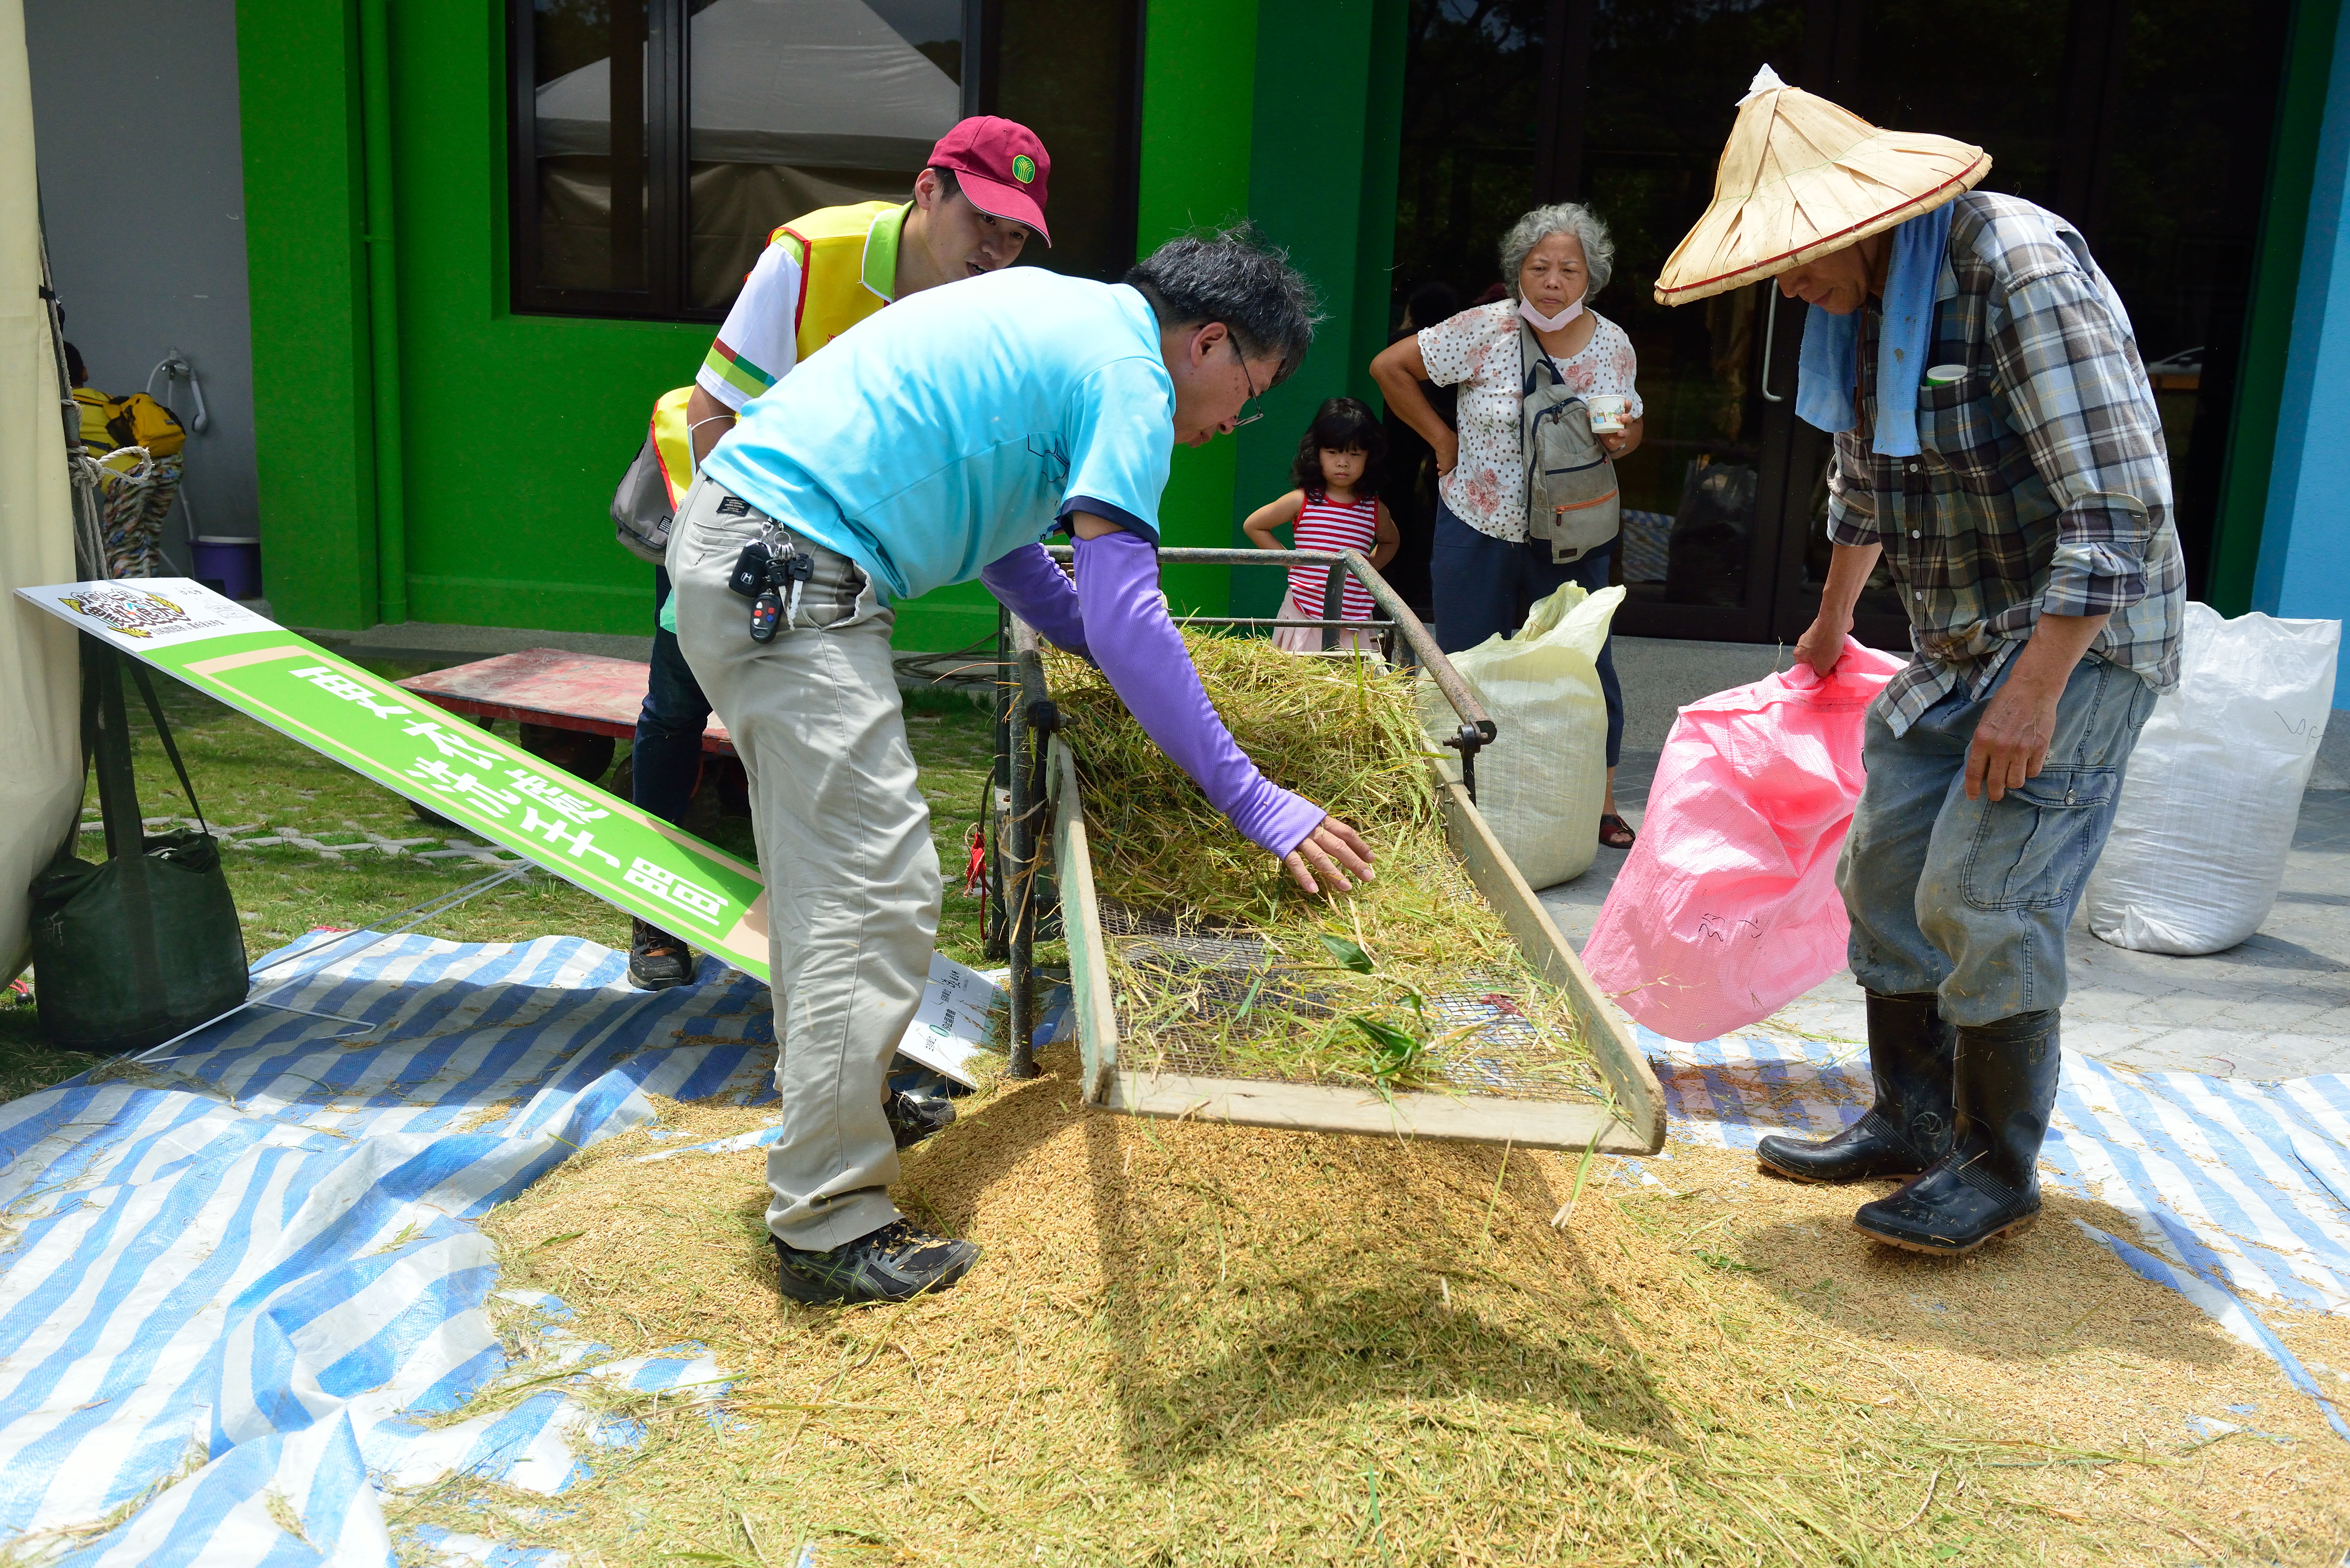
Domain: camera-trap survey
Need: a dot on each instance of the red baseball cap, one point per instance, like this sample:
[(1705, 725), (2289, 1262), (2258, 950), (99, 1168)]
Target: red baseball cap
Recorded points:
[(1001, 166)]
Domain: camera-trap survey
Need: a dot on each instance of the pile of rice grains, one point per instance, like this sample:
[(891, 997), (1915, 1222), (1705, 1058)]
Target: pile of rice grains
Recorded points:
[(1223, 966), (1203, 1344), (1200, 1343)]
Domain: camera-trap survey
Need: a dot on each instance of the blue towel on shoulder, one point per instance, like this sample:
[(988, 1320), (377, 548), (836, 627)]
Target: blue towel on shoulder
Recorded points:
[(1824, 375)]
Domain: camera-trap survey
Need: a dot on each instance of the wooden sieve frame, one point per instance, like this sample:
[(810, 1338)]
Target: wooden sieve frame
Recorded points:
[(1042, 773)]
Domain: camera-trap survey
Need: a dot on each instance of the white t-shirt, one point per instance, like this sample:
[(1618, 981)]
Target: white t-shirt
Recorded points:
[(959, 425), (758, 344), (1477, 350)]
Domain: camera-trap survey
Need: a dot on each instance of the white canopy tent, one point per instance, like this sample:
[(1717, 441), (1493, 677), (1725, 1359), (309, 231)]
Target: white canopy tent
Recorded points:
[(40, 748), (820, 83)]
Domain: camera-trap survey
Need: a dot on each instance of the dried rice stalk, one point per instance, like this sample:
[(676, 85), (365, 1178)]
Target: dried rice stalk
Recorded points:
[(1410, 982)]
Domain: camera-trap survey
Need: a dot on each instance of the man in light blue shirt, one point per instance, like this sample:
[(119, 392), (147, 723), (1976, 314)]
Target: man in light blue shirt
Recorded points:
[(937, 442), (965, 426)]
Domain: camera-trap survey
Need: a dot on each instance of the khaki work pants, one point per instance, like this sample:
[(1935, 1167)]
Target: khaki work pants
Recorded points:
[(844, 845)]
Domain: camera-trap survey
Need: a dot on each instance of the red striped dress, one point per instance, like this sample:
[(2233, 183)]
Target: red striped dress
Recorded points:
[(1328, 525)]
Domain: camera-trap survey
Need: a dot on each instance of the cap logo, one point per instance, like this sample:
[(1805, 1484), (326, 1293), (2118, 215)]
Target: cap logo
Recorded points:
[(1023, 168)]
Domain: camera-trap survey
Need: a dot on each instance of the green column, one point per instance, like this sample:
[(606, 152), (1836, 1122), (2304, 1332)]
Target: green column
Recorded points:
[(1329, 87), (1199, 77), (2267, 323), (298, 88)]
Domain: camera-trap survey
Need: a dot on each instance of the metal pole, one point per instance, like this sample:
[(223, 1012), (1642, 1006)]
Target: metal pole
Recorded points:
[(999, 782), (1033, 717), (384, 314)]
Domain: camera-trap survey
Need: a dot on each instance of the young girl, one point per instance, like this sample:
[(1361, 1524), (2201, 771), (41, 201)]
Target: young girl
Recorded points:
[(1336, 506)]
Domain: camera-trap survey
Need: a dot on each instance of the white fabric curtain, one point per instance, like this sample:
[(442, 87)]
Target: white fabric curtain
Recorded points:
[(40, 748)]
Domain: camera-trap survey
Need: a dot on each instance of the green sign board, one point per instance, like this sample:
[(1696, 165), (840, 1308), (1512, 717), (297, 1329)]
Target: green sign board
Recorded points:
[(623, 855)]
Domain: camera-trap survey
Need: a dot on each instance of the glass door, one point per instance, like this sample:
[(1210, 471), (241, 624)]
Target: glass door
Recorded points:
[(2137, 120), (1705, 494), (2146, 130)]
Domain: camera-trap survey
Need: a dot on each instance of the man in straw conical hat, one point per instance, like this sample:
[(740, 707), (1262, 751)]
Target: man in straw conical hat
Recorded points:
[(1998, 456)]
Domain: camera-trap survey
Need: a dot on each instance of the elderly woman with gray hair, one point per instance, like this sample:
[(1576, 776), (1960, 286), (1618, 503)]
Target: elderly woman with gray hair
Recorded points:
[(1485, 570)]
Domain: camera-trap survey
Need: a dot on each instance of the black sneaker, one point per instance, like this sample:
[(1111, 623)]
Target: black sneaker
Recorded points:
[(895, 1263), (914, 1118), (656, 960)]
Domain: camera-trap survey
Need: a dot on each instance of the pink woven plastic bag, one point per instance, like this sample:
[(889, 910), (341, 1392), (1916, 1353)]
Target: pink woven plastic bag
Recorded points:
[(1727, 907)]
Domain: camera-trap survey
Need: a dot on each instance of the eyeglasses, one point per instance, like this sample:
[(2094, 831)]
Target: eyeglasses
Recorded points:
[(1250, 381)]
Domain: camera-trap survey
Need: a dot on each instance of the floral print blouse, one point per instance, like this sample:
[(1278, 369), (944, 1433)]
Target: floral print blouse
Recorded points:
[(1477, 351)]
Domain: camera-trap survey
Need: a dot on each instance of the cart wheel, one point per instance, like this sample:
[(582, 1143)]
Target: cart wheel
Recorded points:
[(581, 754), (726, 775)]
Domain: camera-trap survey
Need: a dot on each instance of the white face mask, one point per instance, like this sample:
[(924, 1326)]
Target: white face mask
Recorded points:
[(1548, 323)]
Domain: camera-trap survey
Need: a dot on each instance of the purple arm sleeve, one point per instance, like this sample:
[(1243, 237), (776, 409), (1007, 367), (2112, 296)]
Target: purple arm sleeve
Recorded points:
[(1033, 586), (1139, 649)]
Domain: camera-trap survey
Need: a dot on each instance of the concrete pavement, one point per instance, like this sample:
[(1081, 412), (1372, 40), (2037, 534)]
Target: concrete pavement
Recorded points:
[(2274, 1006)]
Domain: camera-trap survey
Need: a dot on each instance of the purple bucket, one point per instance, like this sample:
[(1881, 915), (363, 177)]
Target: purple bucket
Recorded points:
[(231, 566)]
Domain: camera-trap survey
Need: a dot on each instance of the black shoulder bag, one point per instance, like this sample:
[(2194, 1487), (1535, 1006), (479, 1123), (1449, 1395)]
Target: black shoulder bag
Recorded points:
[(145, 947)]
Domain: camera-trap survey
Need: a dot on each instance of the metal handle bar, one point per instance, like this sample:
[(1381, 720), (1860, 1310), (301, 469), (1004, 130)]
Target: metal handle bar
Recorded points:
[(1028, 663)]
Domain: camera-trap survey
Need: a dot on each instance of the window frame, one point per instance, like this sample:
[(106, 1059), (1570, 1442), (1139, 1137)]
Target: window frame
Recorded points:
[(668, 172), (665, 176)]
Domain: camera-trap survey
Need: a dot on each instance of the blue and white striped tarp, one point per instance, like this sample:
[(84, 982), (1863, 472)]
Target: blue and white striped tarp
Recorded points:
[(230, 1277), (2238, 1188), (229, 1282)]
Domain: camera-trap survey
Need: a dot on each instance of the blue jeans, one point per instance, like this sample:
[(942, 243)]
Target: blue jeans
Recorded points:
[(1972, 898), (1481, 586), (666, 761)]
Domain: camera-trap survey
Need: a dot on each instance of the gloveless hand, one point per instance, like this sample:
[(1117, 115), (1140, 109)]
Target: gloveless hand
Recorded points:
[(1331, 846), (1822, 643), (2012, 738), (1448, 452)]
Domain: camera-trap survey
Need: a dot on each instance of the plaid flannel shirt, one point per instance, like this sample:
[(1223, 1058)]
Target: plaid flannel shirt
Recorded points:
[(2041, 483)]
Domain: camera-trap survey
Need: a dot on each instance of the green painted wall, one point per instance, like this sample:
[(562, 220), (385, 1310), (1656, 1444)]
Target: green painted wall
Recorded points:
[(1199, 59), (1329, 88), (297, 70), (517, 427)]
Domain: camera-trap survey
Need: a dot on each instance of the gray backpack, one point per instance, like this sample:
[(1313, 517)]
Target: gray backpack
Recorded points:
[(1571, 500), (641, 514)]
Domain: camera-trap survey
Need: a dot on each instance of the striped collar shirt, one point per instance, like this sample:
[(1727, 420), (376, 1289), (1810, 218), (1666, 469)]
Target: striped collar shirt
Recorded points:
[(2043, 484)]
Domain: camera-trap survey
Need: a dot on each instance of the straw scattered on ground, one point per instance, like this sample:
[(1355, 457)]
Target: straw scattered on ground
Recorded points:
[(1400, 984), (1202, 1343)]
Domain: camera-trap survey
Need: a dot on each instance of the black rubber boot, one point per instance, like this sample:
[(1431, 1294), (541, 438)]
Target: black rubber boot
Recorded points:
[(1909, 1128), (1988, 1185), (656, 960)]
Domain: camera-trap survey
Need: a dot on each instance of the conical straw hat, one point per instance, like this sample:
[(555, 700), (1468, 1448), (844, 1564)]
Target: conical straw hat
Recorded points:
[(1802, 177)]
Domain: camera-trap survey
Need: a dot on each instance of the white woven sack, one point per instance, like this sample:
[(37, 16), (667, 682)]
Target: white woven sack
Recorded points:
[(1541, 784), (2213, 790)]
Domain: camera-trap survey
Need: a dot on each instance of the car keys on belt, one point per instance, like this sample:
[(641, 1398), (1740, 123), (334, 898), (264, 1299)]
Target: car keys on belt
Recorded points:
[(768, 568), (766, 613)]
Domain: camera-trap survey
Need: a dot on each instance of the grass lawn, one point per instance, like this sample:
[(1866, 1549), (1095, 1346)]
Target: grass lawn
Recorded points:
[(249, 777)]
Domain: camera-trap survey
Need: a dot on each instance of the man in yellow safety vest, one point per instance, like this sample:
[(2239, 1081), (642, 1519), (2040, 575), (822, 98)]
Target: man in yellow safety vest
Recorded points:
[(974, 207)]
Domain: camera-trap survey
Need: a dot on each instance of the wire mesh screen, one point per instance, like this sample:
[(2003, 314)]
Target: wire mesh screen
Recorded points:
[(1194, 1000)]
